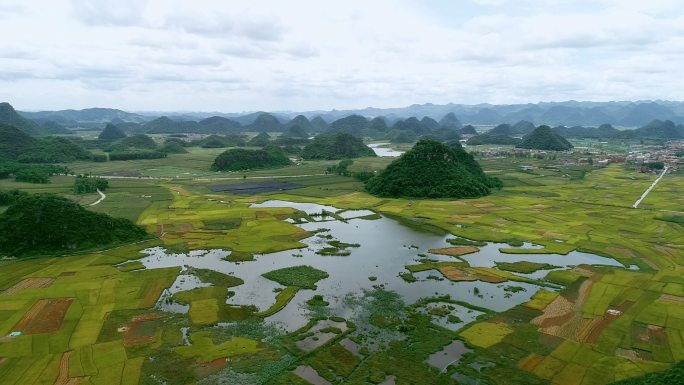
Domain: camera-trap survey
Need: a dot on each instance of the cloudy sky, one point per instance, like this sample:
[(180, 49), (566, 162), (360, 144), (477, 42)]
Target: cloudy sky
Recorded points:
[(274, 55)]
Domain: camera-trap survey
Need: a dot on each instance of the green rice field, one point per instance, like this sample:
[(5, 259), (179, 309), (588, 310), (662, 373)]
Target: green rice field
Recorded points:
[(106, 318)]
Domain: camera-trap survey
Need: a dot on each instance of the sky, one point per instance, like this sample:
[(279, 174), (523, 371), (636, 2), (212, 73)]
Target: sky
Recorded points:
[(304, 55)]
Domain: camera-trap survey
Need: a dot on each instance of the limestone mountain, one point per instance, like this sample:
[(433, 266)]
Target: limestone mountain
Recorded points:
[(9, 116), (111, 132), (43, 224), (468, 130), (265, 122), (14, 142), (352, 124), (544, 138), (450, 121), (319, 124), (336, 146), (261, 140), (239, 159), (378, 124), (433, 170), (301, 121)]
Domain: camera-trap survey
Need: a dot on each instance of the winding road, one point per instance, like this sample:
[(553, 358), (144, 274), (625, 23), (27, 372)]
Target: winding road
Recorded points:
[(102, 197), (648, 190)]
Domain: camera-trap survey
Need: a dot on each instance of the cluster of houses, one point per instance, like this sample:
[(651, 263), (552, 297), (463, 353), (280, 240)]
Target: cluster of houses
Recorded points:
[(668, 155), (638, 156)]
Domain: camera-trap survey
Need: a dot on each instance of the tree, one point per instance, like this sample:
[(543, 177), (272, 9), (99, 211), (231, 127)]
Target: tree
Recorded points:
[(86, 184)]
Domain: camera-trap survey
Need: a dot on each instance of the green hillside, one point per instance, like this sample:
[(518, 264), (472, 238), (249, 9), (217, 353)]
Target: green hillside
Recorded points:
[(238, 159), (48, 224), (544, 138), (432, 170), (336, 146), (10, 117), (111, 132)]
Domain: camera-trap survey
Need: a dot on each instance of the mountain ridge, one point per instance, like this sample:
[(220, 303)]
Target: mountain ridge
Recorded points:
[(569, 113)]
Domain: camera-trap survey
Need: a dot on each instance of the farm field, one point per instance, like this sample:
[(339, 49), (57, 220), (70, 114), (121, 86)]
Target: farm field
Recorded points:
[(299, 287)]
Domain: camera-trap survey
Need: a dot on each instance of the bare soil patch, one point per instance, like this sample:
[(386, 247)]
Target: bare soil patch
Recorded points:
[(455, 251), (63, 377), (627, 353), (141, 329), (563, 317), (657, 335), (212, 367), (29, 283), (558, 313), (179, 190), (453, 273), (45, 316), (672, 298), (593, 329)]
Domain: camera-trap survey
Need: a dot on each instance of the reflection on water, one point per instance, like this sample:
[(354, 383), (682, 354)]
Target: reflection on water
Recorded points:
[(386, 247)]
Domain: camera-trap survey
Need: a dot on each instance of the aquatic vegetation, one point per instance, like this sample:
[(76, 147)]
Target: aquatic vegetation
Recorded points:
[(282, 299), (524, 267), (304, 277), (203, 348)]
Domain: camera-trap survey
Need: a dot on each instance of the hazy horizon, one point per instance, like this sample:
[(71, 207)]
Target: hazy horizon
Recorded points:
[(305, 56), (427, 103)]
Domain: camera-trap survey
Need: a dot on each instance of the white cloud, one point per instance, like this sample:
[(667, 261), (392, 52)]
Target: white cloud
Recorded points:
[(300, 54), (120, 12)]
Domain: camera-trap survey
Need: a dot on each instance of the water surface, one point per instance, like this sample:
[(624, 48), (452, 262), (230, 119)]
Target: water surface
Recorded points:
[(386, 247), (382, 149)]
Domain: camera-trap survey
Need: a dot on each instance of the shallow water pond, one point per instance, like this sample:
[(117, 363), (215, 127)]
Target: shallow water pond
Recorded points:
[(382, 149), (450, 316), (451, 354), (309, 208), (385, 248)]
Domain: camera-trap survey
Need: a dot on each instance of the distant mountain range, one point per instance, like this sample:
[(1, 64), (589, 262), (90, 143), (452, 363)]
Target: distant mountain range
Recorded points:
[(33, 131), (570, 113), (88, 115)]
